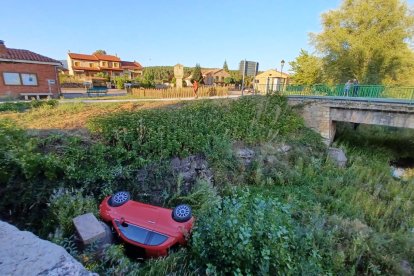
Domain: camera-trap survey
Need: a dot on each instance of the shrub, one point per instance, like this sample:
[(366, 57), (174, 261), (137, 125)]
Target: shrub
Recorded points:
[(67, 204), (251, 234)]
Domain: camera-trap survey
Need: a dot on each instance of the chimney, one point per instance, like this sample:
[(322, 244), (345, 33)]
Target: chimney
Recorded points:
[(3, 48)]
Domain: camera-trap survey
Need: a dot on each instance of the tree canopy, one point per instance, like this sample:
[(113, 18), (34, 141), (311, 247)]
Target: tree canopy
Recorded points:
[(100, 52), (307, 69), (197, 75), (368, 40), (225, 66)]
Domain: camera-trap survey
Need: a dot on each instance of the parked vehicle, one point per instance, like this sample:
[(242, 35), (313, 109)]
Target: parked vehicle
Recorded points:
[(155, 229)]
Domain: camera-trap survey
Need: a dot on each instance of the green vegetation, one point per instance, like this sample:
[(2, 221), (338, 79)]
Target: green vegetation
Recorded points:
[(373, 46), (196, 74), (286, 212), (23, 106)]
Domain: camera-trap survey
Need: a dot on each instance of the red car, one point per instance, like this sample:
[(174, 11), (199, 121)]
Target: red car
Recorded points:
[(152, 228)]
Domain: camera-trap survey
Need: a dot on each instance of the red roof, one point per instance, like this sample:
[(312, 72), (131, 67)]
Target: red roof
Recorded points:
[(20, 54), (111, 69), (130, 65), (85, 68), (82, 56), (107, 57)]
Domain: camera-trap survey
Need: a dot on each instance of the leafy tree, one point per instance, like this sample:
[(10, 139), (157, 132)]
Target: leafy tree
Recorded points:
[(225, 66), (197, 75), (99, 52), (368, 40), (236, 76), (307, 69)]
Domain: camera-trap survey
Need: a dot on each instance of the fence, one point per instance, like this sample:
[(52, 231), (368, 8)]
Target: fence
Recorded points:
[(185, 92), (362, 91)]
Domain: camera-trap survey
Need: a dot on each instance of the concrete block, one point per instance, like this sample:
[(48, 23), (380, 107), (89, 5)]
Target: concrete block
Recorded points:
[(89, 228)]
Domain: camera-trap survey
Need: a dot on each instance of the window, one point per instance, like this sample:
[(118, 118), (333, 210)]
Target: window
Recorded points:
[(11, 79), (104, 63), (77, 63), (29, 79), (116, 64), (20, 79)]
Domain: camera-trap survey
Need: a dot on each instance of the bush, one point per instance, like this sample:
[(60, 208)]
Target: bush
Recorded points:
[(67, 204), (247, 235)]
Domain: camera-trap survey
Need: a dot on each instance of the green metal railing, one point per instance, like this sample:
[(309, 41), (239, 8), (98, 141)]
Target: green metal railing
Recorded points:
[(401, 93)]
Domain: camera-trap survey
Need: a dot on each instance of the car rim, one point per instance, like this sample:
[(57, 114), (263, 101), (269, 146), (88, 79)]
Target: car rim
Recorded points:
[(182, 211), (120, 197)]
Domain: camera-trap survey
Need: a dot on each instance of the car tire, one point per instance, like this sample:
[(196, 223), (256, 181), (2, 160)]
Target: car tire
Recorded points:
[(182, 213), (119, 198)]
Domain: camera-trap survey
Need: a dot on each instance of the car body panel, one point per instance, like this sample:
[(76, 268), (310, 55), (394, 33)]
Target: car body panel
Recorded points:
[(147, 226)]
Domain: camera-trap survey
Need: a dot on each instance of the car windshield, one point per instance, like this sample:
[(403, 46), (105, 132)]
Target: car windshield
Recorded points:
[(139, 234)]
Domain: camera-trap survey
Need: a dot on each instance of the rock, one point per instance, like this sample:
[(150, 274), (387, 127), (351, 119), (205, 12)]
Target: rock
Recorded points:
[(284, 148), (270, 159), (338, 156), (23, 253), (398, 172), (88, 228), (245, 154), (406, 268), (192, 168)]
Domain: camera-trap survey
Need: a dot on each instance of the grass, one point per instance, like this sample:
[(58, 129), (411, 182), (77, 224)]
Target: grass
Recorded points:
[(339, 221), (72, 116)]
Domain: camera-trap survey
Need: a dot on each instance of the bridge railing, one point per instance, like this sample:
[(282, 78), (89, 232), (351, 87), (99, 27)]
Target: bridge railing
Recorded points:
[(405, 93)]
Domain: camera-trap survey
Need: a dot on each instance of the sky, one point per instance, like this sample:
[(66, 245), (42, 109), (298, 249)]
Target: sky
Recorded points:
[(167, 32)]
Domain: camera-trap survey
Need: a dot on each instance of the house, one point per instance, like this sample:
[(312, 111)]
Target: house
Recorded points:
[(271, 80), (214, 76), (25, 74), (87, 66), (132, 69)]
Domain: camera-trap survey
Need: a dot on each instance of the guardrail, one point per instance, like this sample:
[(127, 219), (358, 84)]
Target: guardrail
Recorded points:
[(404, 93)]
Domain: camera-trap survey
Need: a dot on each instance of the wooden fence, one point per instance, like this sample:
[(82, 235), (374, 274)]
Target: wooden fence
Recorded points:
[(186, 92)]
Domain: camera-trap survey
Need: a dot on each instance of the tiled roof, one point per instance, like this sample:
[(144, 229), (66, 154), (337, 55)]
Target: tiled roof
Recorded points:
[(85, 68), (20, 54), (110, 69), (130, 65), (107, 57), (82, 56)]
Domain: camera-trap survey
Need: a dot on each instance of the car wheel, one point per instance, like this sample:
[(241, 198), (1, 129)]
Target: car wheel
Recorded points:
[(182, 213), (119, 198)]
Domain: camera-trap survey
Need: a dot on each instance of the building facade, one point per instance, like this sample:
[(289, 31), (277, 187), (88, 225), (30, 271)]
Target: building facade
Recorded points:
[(214, 76), (87, 66), (249, 68), (132, 69), (270, 81), (25, 74)]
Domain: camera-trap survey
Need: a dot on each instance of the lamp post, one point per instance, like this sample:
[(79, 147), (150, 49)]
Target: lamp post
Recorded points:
[(282, 63)]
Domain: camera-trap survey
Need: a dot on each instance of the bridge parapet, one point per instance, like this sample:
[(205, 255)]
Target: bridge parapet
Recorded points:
[(321, 114)]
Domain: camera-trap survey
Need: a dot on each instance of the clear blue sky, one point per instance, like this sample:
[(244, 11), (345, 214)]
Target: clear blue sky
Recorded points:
[(166, 32)]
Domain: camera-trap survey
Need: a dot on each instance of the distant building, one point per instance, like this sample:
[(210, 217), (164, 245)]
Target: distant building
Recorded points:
[(87, 66), (27, 74), (250, 68), (214, 76), (132, 69), (210, 77), (271, 80)]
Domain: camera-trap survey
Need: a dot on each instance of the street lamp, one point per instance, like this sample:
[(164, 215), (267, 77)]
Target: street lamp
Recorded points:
[(282, 63)]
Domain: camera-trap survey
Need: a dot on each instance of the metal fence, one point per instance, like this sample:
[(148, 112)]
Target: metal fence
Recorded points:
[(405, 93)]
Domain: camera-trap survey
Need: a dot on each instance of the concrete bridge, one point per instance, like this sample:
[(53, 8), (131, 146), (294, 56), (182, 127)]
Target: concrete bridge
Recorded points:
[(322, 113)]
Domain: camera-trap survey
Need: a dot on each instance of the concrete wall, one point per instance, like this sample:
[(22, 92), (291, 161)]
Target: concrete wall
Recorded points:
[(322, 114)]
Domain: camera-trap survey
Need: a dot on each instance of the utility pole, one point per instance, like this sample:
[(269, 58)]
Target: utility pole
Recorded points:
[(244, 72)]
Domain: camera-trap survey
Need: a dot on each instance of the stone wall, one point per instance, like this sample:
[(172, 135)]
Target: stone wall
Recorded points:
[(322, 114)]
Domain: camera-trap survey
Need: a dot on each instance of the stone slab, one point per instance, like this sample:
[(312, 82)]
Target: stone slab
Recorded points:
[(23, 253), (89, 228)]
